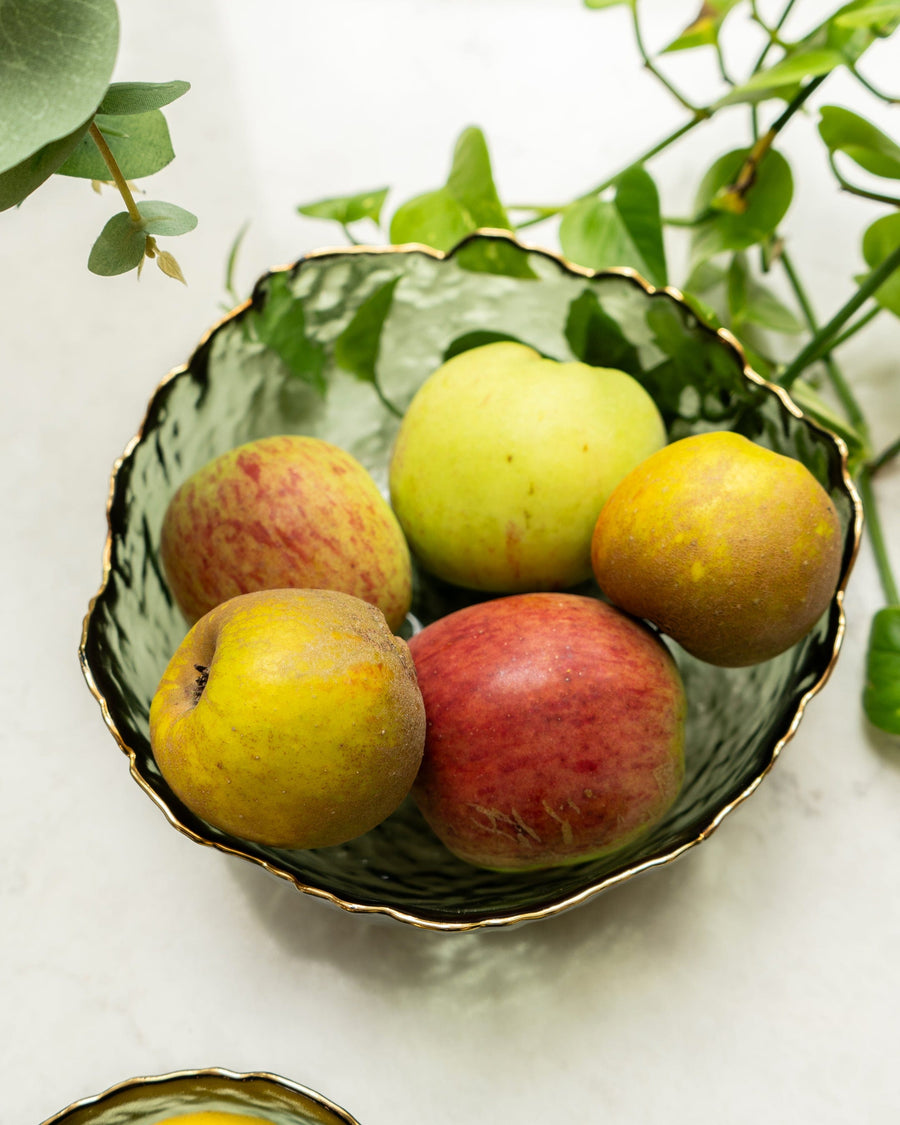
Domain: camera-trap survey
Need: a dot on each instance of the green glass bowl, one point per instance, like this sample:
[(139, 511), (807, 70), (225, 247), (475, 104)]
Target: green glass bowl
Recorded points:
[(335, 346), (146, 1101)]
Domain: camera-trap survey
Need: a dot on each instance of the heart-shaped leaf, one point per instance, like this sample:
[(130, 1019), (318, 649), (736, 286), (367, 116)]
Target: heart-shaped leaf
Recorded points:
[(847, 132), (346, 209), (881, 239), (119, 248)]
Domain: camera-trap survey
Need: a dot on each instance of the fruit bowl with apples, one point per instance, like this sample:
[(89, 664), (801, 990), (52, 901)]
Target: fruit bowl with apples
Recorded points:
[(211, 1096), (463, 386)]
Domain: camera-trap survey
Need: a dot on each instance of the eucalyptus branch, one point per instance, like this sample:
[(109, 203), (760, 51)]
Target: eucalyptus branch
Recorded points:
[(821, 342), (115, 172), (852, 189)]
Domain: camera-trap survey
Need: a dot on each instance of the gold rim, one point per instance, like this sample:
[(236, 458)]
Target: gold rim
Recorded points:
[(731, 342), (229, 1076)]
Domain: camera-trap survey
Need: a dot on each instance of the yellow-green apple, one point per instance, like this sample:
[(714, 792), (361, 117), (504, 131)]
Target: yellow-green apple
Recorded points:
[(555, 730), (730, 549), (291, 718), (284, 511), (504, 460)]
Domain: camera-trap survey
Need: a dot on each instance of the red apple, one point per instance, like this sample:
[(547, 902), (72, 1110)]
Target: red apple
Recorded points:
[(555, 730), (282, 512)]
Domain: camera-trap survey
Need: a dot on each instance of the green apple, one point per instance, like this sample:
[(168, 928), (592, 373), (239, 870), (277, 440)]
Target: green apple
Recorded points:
[(730, 549), (504, 460), (284, 511), (291, 718)]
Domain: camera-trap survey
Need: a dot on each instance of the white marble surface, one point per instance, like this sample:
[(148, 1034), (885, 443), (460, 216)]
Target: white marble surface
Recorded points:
[(757, 979)]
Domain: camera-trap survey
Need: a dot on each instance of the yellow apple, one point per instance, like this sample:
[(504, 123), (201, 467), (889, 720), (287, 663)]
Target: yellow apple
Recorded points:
[(504, 460), (214, 1117), (730, 549), (291, 718)]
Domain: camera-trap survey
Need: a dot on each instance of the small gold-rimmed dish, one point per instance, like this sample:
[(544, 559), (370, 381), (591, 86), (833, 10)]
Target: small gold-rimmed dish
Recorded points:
[(335, 346), (148, 1100)]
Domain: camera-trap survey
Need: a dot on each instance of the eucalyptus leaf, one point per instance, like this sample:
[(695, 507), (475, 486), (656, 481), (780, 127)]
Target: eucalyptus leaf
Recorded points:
[(140, 144), (18, 182), (348, 208), (704, 30), (865, 144), (881, 239), (165, 219), (124, 98), (767, 200), (56, 58), (356, 349), (881, 695), (280, 324), (119, 248)]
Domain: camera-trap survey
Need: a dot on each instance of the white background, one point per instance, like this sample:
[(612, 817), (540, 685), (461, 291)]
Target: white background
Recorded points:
[(757, 979)]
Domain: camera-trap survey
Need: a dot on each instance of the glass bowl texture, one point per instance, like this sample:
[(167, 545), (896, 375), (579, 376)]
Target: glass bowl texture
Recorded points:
[(364, 327), (147, 1101)]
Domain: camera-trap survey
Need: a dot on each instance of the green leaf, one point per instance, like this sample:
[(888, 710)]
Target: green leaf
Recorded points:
[(124, 98), (880, 14), (466, 202), (18, 182), (596, 338), (637, 201), (280, 324), (750, 302), (608, 3), (865, 144), (56, 58), (139, 142), (345, 209), (881, 239), (433, 219), (768, 199), (120, 247), (785, 76), (704, 30), (165, 219), (356, 349), (881, 695), (477, 339)]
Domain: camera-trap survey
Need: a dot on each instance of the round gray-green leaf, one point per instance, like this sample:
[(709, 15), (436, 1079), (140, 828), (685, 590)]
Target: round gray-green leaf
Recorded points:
[(119, 248), (123, 98), (165, 219), (20, 181), (56, 58), (139, 142)]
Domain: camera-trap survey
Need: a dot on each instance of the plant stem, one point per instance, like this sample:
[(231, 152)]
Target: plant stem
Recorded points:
[(863, 81), (772, 33), (891, 200), (857, 325), (118, 179), (884, 457), (821, 342), (876, 537), (651, 66), (836, 377)]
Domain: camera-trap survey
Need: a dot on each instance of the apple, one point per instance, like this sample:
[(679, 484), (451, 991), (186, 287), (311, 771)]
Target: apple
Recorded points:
[(215, 1117), (278, 512), (555, 730), (730, 549), (291, 718), (504, 459)]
